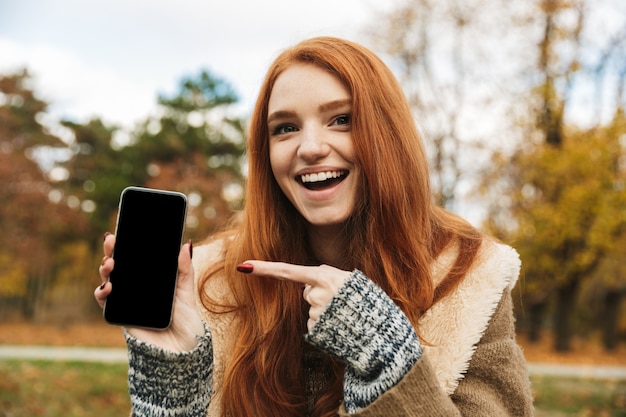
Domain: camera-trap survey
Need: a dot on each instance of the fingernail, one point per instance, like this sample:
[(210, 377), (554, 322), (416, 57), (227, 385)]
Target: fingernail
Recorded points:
[(106, 234), (245, 268), (103, 284), (104, 260), (190, 249)]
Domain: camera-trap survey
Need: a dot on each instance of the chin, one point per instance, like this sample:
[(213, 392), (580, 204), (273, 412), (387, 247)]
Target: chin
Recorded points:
[(327, 222)]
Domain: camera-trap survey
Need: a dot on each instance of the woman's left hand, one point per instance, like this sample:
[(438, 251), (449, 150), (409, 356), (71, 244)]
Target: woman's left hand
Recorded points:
[(321, 283)]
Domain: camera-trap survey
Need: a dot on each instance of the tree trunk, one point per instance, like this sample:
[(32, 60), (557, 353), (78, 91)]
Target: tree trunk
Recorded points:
[(33, 300), (612, 301), (29, 299), (535, 318), (566, 297)]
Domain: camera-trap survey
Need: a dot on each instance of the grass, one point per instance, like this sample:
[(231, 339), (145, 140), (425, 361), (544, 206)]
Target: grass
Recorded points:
[(576, 397), (68, 389), (75, 389)]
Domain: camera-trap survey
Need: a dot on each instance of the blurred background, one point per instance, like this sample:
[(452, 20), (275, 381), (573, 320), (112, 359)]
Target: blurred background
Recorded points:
[(521, 105)]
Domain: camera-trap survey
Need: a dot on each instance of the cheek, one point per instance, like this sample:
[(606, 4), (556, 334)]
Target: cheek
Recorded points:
[(279, 163)]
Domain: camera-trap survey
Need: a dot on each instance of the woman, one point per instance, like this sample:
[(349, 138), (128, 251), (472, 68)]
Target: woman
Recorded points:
[(406, 309)]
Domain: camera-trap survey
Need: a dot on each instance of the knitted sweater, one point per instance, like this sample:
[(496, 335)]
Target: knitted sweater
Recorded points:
[(470, 365)]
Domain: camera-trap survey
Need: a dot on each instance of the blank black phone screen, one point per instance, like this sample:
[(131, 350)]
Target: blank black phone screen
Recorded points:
[(150, 227)]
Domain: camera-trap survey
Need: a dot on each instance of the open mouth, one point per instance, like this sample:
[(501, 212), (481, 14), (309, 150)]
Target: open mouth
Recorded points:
[(322, 180)]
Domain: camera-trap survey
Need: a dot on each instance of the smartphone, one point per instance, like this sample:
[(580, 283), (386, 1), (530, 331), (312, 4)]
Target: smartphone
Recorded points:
[(149, 233)]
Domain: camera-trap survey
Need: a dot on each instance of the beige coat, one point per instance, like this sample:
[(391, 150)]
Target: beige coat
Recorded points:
[(471, 366)]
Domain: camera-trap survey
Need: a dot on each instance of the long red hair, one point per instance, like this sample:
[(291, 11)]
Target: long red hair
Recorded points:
[(394, 235)]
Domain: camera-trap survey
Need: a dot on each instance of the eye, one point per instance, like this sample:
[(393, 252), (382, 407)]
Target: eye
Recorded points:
[(283, 129), (342, 120)]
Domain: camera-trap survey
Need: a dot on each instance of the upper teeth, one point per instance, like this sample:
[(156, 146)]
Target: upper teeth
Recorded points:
[(320, 176)]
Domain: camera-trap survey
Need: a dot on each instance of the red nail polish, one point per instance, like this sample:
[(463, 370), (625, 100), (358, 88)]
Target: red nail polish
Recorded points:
[(190, 249), (245, 268)]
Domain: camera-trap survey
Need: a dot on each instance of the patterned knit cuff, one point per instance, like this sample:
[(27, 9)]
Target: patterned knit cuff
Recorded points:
[(366, 329), (163, 383)]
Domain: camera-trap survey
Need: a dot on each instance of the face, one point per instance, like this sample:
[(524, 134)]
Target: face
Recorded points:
[(311, 149)]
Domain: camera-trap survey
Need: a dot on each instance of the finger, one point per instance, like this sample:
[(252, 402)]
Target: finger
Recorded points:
[(102, 292), (315, 312), (107, 263), (109, 244), (306, 292), (285, 271), (185, 266), (310, 323), (105, 268), (319, 296)]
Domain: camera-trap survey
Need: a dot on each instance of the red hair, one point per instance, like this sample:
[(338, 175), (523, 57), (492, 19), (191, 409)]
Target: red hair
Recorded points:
[(394, 235)]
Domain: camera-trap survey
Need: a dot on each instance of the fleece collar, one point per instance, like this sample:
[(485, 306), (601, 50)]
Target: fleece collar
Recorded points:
[(453, 327)]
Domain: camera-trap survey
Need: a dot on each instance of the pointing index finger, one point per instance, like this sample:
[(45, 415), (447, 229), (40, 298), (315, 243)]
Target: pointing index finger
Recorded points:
[(281, 270)]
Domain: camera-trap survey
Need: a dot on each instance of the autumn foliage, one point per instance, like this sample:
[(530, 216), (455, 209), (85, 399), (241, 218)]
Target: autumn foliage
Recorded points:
[(60, 196)]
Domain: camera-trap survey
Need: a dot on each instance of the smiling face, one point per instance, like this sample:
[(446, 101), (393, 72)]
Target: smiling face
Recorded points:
[(311, 149)]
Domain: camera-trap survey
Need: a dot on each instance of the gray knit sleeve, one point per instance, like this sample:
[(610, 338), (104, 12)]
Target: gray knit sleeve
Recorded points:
[(163, 383), (365, 328)]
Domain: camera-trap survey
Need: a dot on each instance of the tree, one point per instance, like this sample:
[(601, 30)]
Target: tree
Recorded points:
[(566, 213), (195, 147), (96, 172), (604, 295), (550, 110), (448, 56), (562, 66), (60, 196), (31, 225), (610, 275), (524, 70)]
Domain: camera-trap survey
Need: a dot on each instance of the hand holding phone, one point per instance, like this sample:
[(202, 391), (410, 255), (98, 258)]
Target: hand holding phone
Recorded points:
[(149, 232), (186, 323)]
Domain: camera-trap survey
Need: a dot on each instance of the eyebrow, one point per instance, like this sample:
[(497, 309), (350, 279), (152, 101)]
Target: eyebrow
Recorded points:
[(280, 114), (335, 104), (331, 105)]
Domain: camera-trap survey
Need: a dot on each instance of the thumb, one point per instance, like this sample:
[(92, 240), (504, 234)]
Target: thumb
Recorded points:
[(185, 266)]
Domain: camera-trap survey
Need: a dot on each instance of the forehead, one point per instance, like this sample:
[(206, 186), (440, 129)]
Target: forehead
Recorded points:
[(305, 83)]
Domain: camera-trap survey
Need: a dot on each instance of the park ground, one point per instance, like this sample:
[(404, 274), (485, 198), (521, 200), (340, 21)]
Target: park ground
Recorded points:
[(100, 334), (31, 388)]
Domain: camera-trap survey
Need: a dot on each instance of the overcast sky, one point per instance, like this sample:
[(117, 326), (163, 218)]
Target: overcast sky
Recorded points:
[(111, 58)]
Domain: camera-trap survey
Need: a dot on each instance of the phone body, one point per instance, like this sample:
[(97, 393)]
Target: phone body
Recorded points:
[(149, 233)]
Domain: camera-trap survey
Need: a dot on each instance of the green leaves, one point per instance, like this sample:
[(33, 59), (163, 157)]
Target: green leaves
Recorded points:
[(203, 92)]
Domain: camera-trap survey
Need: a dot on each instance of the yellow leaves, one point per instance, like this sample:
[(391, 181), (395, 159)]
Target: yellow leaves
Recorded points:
[(569, 204), (612, 269), (12, 277), (75, 261), (76, 276)]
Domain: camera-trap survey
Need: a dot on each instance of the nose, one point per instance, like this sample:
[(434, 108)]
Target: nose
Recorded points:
[(313, 145)]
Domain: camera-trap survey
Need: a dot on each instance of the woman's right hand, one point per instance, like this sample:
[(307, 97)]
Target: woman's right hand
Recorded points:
[(186, 324)]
